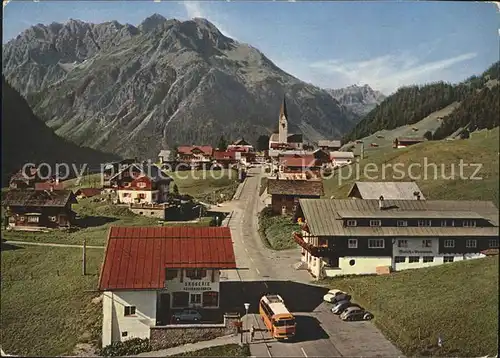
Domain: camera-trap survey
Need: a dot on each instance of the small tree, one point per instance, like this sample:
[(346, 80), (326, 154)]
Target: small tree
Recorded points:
[(174, 152), (222, 143), (428, 135), (262, 142)]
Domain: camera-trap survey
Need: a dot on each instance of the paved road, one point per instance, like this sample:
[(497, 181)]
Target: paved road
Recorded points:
[(320, 333), (250, 251)]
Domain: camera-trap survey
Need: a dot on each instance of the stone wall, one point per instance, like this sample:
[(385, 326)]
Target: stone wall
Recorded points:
[(148, 211), (176, 335)]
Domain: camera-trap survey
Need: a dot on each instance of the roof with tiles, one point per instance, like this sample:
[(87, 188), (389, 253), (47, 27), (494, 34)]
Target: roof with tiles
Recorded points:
[(136, 257), (38, 198), (295, 187), (389, 190), (188, 149)]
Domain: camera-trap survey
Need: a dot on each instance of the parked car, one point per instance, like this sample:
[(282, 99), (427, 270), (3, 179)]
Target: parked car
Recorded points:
[(187, 316), (355, 314), (340, 297), (341, 306), (331, 295)]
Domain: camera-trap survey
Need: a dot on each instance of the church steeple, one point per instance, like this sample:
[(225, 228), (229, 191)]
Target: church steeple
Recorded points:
[(283, 123), (283, 111)]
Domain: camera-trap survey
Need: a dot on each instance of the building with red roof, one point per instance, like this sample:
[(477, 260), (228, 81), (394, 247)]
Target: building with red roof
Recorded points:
[(150, 271)]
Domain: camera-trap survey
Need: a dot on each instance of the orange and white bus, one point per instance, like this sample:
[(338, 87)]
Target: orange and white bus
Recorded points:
[(279, 321)]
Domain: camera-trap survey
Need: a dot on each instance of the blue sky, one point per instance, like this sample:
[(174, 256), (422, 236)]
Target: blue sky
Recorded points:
[(330, 44)]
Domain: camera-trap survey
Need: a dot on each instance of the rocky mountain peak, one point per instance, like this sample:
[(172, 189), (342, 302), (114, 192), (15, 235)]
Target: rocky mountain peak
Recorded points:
[(152, 22), (360, 99)]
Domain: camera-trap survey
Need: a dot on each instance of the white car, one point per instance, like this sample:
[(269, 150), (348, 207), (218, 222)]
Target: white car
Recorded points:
[(331, 295)]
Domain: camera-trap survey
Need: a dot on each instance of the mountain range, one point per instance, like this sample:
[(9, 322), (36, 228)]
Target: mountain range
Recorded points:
[(135, 90), (26, 139), (359, 99)]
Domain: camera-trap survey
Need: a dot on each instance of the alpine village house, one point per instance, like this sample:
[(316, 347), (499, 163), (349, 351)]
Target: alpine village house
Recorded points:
[(358, 236), (150, 271), (33, 210)]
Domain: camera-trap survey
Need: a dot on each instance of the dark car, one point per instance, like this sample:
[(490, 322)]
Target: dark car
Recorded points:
[(340, 297), (341, 306), (355, 314), (188, 315)]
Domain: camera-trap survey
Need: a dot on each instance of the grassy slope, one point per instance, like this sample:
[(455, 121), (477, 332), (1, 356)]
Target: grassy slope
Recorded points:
[(104, 215), (458, 301), (206, 187), (43, 313), (276, 230), (481, 148)]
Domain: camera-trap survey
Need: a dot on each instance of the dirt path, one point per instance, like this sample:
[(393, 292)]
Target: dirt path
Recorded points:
[(50, 244)]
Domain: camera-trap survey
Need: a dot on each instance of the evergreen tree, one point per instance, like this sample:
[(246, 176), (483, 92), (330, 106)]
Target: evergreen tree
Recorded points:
[(263, 142), (222, 143)]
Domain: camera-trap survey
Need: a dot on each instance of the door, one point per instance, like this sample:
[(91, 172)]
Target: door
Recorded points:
[(163, 309)]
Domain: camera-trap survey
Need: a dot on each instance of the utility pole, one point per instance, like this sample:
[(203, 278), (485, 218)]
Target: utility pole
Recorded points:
[(84, 257)]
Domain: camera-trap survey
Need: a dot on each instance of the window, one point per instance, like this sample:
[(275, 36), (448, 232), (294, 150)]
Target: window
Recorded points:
[(376, 243), (352, 262), (424, 223), (428, 258), (413, 259), (375, 223), (402, 243), (469, 223), (426, 243), (195, 298), (493, 243), (170, 274), (53, 218), (351, 223), (449, 243), (399, 259), (471, 243), (124, 334), (353, 243), (448, 259), (322, 242), (402, 223), (126, 195), (444, 223), (22, 218), (129, 310), (141, 196), (33, 219), (196, 274), (141, 185)]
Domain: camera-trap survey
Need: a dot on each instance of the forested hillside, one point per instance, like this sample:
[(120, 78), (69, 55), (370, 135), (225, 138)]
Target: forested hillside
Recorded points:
[(26, 139), (411, 104), (478, 111)]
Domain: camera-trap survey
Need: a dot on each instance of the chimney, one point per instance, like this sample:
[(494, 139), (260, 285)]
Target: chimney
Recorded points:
[(381, 204)]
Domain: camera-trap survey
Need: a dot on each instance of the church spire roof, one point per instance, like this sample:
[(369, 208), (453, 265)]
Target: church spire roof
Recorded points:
[(283, 109)]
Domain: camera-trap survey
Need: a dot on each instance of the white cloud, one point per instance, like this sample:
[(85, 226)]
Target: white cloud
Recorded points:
[(387, 73), (195, 9)]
